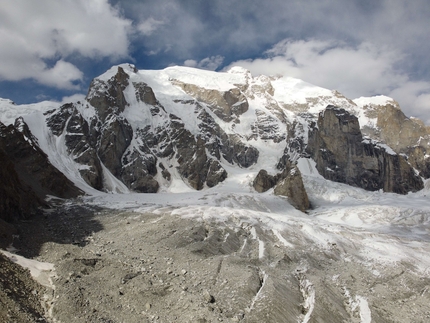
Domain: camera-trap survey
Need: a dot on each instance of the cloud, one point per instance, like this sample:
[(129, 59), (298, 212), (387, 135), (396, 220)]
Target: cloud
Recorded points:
[(73, 98), (209, 63), (61, 75), (414, 99), (148, 26), (244, 27), (363, 70), (40, 38)]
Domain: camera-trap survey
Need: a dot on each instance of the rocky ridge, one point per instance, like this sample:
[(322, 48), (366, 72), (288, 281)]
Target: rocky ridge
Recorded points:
[(26, 174), (181, 129), (343, 155), (150, 131)]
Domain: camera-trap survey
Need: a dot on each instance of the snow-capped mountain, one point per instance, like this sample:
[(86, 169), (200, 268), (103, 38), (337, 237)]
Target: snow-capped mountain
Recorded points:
[(220, 241), (182, 128)]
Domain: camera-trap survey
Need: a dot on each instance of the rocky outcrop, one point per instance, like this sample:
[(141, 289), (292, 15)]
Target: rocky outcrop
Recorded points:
[(404, 135), (17, 200), (80, 138), (419, 158), (394, 128), (267, 128), (108, 96), (289, 183), (32, 164), (115, 137), (26, 174), (409, 136), (264, 181), (227, 105), (336, 144)]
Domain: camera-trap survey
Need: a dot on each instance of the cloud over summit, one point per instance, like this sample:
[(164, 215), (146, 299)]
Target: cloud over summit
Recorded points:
[(359, 47)]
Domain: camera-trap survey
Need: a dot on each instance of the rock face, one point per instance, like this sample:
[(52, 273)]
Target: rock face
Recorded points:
[(404, 135), (26, 178), (264, 181), (147, 131), (17, 199), (26, 173), (336, 144), (289, 183), (227, 105), (32, 164)]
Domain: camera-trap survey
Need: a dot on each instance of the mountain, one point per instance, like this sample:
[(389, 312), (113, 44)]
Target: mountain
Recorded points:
[(266, 199), (182, 128), (27, 178)]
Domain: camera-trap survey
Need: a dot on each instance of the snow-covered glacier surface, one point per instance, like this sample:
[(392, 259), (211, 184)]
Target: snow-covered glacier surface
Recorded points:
[(357, 256)]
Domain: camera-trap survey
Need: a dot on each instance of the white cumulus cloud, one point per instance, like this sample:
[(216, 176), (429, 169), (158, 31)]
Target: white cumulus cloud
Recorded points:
[(37, 38)]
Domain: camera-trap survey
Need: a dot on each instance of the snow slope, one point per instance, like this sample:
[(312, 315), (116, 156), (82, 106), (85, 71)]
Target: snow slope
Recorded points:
[(273, 104), (379, 230), (383, 232)]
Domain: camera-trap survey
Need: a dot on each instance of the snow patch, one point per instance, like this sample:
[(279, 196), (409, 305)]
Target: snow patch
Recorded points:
[(373, 100), (42, 272)]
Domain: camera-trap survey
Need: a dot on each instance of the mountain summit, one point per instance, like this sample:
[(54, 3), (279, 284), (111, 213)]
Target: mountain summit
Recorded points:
[(271, 204), (183, 128)]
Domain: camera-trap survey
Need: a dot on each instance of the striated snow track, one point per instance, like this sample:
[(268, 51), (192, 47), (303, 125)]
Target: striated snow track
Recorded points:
[(308, 291)]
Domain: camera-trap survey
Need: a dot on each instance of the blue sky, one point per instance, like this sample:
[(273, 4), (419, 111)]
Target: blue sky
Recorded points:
[(51, 49)]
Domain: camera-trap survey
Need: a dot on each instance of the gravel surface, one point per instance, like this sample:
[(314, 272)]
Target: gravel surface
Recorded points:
[(124, 266)]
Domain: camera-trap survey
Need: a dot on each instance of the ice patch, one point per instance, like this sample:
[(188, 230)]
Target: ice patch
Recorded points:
[(42, 272)]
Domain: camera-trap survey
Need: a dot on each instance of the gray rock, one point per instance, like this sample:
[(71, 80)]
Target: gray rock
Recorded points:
[(291, 185), (108, 97), (208, 297), (115, 137), (226, 105), (336, 144), (263, 181)]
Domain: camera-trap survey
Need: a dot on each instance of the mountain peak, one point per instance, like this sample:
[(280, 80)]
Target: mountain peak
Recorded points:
[(159, 130)]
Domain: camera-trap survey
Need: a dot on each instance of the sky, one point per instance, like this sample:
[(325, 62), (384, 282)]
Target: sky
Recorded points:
[(51, 50)]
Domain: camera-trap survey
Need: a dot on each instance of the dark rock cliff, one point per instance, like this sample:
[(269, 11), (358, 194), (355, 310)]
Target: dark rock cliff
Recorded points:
[(143, 157), (26, 174), (342, 155)]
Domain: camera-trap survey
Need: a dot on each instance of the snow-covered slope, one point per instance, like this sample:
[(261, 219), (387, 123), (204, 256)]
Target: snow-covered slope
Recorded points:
[(184, 128), (202, 138), (366, 252)]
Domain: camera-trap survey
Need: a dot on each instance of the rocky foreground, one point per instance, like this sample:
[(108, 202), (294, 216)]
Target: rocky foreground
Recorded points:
[(133, 266)]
